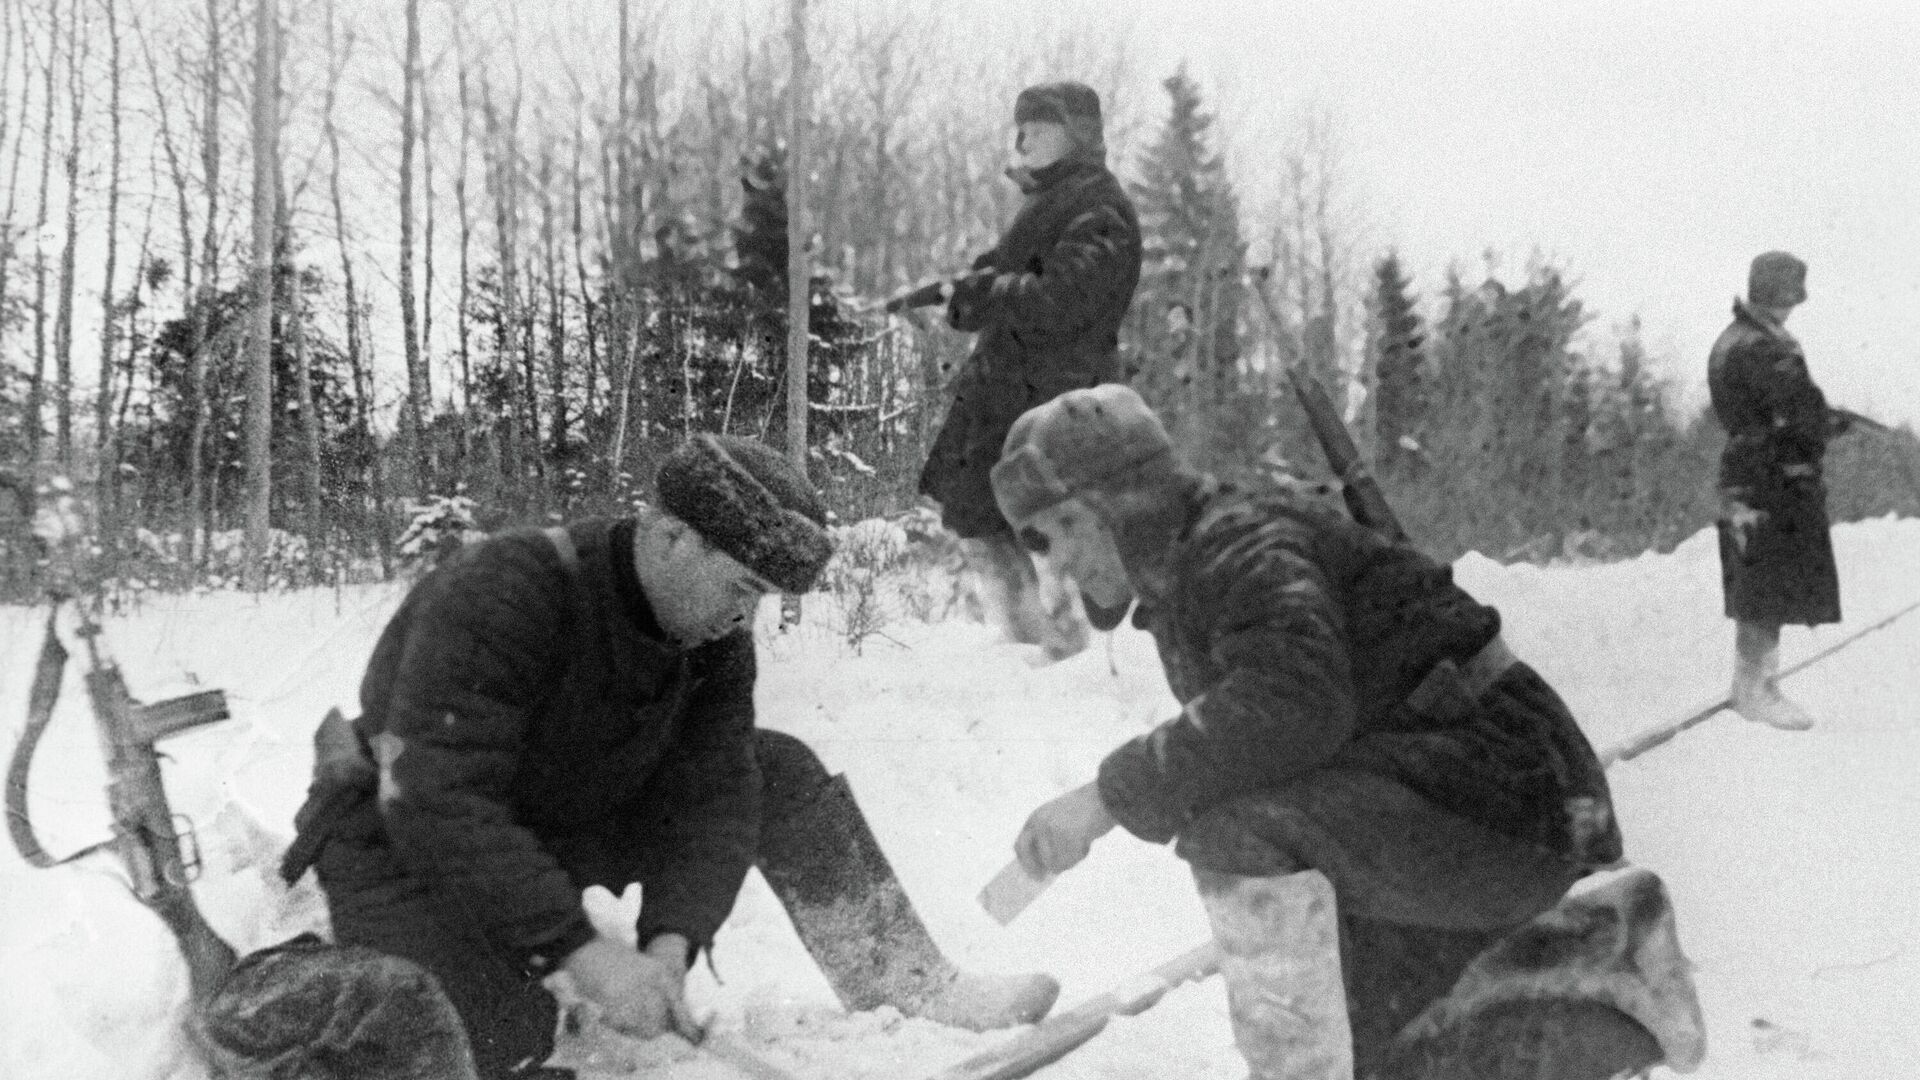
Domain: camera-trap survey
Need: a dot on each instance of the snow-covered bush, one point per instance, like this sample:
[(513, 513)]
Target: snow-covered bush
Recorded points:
[(163, 561), (888, 569), (438, 527)]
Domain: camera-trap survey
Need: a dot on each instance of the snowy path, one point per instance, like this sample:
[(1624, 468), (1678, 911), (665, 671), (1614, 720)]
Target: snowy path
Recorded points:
[(1790, 857)]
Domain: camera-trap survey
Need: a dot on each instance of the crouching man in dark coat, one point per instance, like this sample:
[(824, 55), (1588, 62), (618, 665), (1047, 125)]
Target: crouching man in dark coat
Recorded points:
[(1776, 558), (1046, 303), (549, 711), (1354, 738)]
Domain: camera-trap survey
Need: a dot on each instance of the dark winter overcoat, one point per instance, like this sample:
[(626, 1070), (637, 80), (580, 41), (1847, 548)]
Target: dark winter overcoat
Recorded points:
[(1047, 303), (1293, 637), (1776, 558), (528, 720)]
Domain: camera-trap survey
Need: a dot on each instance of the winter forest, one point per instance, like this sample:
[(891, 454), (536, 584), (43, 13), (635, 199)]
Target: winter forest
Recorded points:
[(277, 280)]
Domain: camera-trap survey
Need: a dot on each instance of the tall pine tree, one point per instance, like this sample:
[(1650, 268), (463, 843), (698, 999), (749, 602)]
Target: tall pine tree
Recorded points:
[(1186, 313)]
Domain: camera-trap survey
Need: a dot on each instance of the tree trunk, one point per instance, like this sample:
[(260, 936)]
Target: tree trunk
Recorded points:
[(106, 460), (37, 383), (128, 369), (293, 322), (176, 170), (556, 308), (266, 158), (8, 250), (309, 427), (6, 94), (426, 271), (621, 317), (799, 266), (530, 379), (356, 352), (377, 469), (199, 509), (414, 411), (461, 329), (77, 50), (589, 310)]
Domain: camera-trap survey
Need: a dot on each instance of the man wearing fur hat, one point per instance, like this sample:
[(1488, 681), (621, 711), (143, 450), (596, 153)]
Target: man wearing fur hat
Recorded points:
[(1358, 758), (553, 710), (1776, 559), (1046, 303)]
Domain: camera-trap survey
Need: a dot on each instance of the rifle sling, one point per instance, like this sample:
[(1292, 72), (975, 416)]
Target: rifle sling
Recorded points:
[(46, 690), (47, 673)]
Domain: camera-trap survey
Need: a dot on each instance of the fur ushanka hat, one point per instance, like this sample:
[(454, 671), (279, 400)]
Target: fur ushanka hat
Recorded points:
[(749, 501)]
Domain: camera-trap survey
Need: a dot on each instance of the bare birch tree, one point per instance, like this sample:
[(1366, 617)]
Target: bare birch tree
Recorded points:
[(37, 383), (461, 330), (266, 184), (799, 265), (176, 167), (78, 48), (107, 460), (589, 309), (9, 249), (426, 252), (556, 304), (415, 407), (199, 505)]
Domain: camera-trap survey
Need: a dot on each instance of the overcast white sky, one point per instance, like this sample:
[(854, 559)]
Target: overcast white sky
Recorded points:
[(1652, 148)]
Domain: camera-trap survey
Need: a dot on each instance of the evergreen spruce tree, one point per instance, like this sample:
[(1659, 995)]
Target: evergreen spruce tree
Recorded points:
[(1398, 351), (1186, 313), (760, 237), (1505, 424), (759, 276)]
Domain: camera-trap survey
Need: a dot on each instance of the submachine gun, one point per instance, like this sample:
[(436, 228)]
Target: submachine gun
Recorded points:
[(157, 848)]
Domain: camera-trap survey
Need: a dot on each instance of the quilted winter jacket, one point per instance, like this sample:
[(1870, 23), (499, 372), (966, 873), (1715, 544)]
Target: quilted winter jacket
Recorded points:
[(1293, 637), (517, 707), (1047, 303)]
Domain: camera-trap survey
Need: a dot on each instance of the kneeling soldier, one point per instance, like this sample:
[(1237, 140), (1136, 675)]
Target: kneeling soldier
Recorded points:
[(547, 712), (1358, 762)]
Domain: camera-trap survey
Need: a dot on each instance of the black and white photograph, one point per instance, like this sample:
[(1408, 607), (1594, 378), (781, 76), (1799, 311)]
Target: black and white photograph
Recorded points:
[(964, 540)]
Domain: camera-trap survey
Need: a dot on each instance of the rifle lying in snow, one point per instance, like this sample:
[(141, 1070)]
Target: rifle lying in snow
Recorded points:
[(157, 848)]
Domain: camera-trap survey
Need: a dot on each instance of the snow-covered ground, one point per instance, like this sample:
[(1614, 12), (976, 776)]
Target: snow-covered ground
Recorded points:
[(1791, 858)]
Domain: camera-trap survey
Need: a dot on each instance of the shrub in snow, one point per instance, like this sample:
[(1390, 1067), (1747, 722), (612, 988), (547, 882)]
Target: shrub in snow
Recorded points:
[(439, 526), (887, 569), (164, 560)]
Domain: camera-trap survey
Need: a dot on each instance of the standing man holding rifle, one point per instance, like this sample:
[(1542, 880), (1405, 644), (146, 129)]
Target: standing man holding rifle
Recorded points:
[(1046, 304), (1776, 558), (1371, 789)]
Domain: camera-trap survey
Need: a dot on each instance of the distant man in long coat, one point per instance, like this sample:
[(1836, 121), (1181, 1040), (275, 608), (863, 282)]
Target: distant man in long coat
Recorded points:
[(1046, 304), (1776, 559)]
